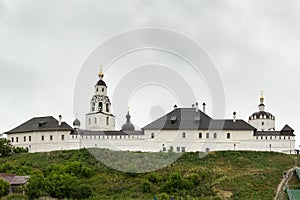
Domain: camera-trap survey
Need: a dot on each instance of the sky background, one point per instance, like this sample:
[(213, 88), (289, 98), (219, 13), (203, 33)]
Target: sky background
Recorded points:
[(255, 46)]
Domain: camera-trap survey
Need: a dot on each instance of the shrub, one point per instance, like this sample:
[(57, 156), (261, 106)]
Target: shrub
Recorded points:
[(4, 187)]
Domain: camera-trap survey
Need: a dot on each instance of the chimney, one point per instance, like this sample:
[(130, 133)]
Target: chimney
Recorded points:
[(197, 107), (59, 120), (204, 104), (193, 105), (175, 106), (234, 116)]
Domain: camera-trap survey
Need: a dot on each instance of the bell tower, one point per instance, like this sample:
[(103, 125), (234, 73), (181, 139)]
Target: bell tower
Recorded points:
[(100, 117)]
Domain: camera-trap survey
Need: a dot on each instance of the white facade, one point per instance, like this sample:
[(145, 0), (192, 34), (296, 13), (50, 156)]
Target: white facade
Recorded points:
[(47, 134), (100, 117)]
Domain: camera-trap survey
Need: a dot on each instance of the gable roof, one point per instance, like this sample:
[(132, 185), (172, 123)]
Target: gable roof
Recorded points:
[(287, 128), (48, 123), (190, 119), (14, 179)]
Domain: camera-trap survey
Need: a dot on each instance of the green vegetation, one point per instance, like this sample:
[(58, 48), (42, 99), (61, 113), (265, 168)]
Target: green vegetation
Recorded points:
[(4, 187), (77, 174), (7, 149)]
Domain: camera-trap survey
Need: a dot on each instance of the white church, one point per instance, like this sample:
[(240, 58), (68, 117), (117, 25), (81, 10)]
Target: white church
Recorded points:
[(182, 130)]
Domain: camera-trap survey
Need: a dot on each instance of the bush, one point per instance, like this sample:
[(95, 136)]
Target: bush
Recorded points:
[(4, 187), (36, 186), (146, 186)]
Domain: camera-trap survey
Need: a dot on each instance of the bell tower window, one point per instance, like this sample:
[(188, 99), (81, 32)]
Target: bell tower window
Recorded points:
[(93, 106), (107, 120), (107, 107), (100, 106)]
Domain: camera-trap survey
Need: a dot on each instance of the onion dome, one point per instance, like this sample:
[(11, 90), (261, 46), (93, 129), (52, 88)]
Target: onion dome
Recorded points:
[(128, 126), (261, 114), (76, 122), (101, 75)]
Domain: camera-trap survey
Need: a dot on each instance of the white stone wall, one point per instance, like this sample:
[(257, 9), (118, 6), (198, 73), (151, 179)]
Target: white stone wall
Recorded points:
[(41, 141), (98, 121), (262, 124), (162, 141)]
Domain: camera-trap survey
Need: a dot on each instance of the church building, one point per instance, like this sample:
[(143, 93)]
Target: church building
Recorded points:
[(188, 129)]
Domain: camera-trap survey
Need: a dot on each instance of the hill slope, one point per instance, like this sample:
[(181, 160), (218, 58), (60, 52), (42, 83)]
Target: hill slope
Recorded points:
[(219, 175)]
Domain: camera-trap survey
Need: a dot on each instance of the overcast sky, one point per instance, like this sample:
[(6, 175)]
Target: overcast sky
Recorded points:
[(255, 46)]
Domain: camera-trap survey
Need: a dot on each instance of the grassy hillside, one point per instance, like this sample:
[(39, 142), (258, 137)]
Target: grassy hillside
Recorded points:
[(219, 175)]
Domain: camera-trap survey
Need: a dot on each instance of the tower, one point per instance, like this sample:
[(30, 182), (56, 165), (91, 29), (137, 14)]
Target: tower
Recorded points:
[(262, 120), (128, 126), (100, 117)]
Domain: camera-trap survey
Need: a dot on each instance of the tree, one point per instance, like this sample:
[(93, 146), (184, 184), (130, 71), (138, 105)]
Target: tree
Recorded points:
[(6, 148), (36, 186), (60, 185), (4, 187)]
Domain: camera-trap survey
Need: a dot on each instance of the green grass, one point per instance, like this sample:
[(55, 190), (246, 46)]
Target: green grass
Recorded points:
[(219, 175)]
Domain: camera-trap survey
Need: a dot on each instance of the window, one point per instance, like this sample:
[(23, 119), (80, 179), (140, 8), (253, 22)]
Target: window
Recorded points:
[(12, 139), (107, 107), (228, 135), (182, 149), (51, 137), (284, 137), (29, 138), (266, 137), (42, 137), (279, 137), (89, 120), (102, 89), (263, 123), (178, 149), (261, 137), (17, 139), (207, 150), (95, 120), (257, 137), (93, 106), (152, 135), (270, 137), (164, 148), (207, 135), (107, 120), (24, 138), (183, 135), (289, 138), (100, 106), (200, 135), (62, 137), (215, 135)]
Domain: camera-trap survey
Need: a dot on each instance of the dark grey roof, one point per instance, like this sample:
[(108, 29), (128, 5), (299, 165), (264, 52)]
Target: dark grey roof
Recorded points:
[(41, 124), (287, 131), (287, 128), (101, 82), (262, 113), (76, 122), (188, 119), (267, 133), (97, 133)]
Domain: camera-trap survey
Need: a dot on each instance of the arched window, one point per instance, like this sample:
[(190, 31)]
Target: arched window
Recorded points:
[(183, 135), (262, 123), (107, 120), (215, 135), (102, 89), (93, 106), (207, 135), (200, 135), (207, 150), (100, 106), (107, 107), (152, 135), (228, 135)]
